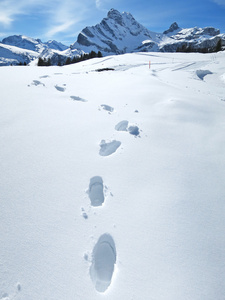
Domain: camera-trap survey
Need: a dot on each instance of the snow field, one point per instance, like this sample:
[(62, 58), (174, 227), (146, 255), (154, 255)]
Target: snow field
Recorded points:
[(145, 221)]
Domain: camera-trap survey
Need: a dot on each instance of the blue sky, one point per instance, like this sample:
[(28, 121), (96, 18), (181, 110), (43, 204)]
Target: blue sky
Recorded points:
[(62, 20)]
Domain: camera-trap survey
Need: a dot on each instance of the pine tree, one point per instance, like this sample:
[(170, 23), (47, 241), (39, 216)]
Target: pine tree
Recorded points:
[(68, 61), (99, 54), (40, 62)]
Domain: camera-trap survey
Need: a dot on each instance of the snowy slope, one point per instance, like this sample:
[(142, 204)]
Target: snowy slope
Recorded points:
[(112, 182), (14, 55)]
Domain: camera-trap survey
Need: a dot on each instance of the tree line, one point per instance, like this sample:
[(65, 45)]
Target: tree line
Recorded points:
[(69, 60)]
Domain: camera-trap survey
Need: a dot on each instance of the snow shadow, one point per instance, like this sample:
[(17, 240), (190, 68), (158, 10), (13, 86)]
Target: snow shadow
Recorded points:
[(95, 191), (44, 76), (202, 73), (37, 82), (103, 261), (60, 89), (107, 108), (76, 98), (123, 126), (134, 130), (108, 148)]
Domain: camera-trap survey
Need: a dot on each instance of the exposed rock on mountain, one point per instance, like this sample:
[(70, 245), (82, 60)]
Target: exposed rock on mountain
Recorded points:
[(116, 34), (173, 27)]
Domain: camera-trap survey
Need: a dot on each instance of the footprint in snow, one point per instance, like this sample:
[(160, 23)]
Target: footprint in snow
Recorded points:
[(76, 98), (59, 88), (202, 73), (123, 126), (108, 108), (44, 76), (95, 191), (37, 82), (107, 149), (103, 261), (134, 130)]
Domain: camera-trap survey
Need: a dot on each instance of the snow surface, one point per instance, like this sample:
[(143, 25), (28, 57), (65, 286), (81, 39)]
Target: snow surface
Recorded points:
[(160, 233)]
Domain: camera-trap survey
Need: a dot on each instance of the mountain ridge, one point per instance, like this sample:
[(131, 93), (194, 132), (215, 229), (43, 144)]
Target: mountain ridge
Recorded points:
[(118, 33)]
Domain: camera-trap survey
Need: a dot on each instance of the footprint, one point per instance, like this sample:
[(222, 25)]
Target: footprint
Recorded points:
[(44, 76), (59, 88), (107, 108), (95, 191), (202, 73), (37, 82), (76, 98), (122, 126), (134, 130), (103, 261), (108, 148)]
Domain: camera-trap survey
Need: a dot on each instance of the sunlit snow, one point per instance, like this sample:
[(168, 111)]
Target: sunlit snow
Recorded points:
[(89, 211)]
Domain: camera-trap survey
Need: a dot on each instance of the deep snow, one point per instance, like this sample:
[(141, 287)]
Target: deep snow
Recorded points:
[(159, 230)]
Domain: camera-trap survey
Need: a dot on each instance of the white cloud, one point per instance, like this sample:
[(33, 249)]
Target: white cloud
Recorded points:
[(58, 16), (64, 15), (59, 28)]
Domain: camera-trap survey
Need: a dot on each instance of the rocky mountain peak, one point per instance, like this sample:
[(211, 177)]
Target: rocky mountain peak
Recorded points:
[(173, 27)]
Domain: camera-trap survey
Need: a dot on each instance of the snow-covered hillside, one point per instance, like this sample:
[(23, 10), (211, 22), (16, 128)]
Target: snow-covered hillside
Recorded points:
[(112, 182)]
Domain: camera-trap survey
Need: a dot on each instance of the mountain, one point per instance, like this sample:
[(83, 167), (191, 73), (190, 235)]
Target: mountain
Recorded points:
[(191, 40), (118, 33), (17, 49), (56, 45), (12, 55), (24, 42), (121, 33)]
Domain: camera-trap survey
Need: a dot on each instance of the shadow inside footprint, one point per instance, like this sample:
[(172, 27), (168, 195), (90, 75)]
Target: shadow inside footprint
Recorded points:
[(103, 260), (95, 191), (76, 98), (37, 82), (108, 148), (122, 126), (134, 130), (107, 108), (59, 88), (202, 73)]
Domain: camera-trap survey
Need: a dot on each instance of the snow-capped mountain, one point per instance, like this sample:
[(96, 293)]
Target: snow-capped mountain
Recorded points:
[(12, 55), (29, 43), (121, 33), (24, 42), (56, 45), (196, 39), (118, 33), (18, 49)]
